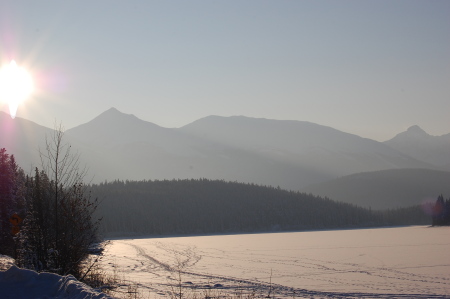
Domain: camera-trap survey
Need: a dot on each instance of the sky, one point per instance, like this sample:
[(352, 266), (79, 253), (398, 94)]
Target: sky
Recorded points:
[(371, 68)]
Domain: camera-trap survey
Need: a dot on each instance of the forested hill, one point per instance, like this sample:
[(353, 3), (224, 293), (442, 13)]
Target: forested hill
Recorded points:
[(206, 207)]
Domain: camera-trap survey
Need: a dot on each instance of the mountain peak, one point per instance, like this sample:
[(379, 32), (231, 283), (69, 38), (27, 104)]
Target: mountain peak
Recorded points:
[(416, 130), (412, 133), (112, 120), (112, 117), (113, 109), (114, 112)]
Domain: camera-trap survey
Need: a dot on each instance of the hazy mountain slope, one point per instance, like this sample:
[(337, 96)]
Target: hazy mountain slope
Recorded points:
[(130, 148), (289, 154), (121, 146), (113, 128), (387, 188), (22, 138), (418, 144), (302, 144)]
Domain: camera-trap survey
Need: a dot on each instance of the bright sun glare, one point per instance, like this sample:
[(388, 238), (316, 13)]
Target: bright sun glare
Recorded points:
[(16, 85)]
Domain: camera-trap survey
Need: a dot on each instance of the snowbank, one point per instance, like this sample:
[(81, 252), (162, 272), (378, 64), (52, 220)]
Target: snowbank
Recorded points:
[(21, 283)]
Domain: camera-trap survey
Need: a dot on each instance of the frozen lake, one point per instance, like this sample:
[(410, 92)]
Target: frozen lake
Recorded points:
[(406, 262)]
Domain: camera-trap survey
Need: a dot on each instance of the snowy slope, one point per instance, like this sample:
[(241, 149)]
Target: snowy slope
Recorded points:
[(16, 283)]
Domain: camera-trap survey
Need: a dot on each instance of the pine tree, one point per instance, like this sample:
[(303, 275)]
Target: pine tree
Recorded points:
[(37, 235), (441, 211), (11, 199)]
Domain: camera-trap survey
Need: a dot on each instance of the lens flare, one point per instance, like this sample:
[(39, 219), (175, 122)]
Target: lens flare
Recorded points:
[(16, 85)]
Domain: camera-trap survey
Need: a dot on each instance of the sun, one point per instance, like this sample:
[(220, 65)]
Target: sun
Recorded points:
[(16, 85)]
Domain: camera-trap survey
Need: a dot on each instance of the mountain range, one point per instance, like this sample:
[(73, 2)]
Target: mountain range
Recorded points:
[(288, 154)]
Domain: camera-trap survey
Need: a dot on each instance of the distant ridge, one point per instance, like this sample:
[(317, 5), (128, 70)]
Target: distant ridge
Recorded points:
[(305, 144), (383, 189)]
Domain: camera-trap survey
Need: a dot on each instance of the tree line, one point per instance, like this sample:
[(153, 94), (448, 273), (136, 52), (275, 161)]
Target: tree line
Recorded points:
[(46, 218), (202, 206)]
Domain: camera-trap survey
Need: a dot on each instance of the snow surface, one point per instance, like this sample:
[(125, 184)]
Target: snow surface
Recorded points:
[(405, 262), (18, 283)]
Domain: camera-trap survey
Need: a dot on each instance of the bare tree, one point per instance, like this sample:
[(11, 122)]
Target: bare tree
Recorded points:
[(60, 187), (61, 167)]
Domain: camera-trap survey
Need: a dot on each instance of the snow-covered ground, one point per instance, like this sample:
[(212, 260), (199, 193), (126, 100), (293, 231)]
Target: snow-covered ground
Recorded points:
[(406, 262), (18, 283)]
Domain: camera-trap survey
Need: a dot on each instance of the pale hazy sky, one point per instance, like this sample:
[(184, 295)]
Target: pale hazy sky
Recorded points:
[(372, 68)]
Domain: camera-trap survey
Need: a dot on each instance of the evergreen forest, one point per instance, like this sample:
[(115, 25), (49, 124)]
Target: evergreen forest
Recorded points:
[(202, 206)]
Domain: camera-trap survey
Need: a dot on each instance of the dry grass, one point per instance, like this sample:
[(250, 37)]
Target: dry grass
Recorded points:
[(118, 286)]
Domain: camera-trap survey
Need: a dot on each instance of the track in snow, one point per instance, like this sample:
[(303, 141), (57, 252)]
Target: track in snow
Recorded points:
[(179, 275)]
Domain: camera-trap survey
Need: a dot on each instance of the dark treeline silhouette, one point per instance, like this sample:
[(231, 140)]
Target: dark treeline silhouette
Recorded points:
[(441, 211), (213, 206), (11, 199)]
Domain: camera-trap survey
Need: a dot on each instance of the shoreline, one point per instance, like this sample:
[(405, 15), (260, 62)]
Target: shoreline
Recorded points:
[(131, 235)]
